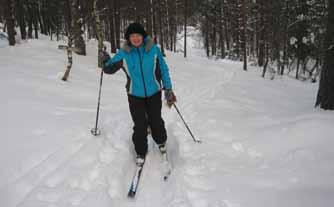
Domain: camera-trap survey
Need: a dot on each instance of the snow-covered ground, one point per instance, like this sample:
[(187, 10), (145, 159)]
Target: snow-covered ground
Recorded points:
[(264, 144)]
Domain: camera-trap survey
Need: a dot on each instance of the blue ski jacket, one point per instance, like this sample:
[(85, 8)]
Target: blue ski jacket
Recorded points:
[(146, 70)]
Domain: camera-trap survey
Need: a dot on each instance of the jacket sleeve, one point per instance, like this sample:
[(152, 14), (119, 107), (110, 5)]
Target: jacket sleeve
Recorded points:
[(166, 81), (115, 63)]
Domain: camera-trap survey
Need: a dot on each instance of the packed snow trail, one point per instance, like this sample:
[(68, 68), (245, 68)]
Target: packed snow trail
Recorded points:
[(263, 142)]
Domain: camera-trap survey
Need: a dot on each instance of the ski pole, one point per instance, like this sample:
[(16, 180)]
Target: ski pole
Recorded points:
[(95, 131), (192, 135)]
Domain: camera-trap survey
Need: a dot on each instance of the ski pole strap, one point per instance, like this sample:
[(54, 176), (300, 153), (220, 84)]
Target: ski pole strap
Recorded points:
[(184, 122)]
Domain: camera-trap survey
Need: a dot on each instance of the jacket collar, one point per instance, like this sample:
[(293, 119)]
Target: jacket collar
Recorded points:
[(148, 44)]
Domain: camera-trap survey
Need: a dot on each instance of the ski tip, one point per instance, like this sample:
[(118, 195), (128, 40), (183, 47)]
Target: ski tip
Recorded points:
[(131, 194), (165, 178)]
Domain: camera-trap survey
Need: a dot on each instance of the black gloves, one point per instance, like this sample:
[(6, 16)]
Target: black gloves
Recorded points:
[(113, 68), (104, 57)]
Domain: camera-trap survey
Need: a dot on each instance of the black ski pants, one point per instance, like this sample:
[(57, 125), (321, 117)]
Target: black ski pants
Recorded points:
[(146, 112)]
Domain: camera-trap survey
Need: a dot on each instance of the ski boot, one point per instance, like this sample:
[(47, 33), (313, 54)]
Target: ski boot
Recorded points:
[(162, 148), (140, 160)]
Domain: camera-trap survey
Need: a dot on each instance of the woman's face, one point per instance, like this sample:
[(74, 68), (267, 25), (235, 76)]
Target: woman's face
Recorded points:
[(136, 39)]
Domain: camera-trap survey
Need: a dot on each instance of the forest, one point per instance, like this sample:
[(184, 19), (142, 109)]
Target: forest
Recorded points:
[(286, 37), (166, 103)]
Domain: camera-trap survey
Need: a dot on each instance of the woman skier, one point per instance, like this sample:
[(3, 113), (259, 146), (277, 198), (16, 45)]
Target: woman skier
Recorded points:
[(147, 75)]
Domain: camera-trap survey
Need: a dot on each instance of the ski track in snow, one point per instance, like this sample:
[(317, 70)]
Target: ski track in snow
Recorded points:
[(238, 163)]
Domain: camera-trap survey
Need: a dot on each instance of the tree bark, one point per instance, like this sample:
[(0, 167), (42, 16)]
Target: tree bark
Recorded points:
[(148, 17), (70, 39), (185, 26), (21, 19), (325, 98), (30, 19), (161, 28), (221, 30), (243, 31), (9, 14), (262, 34), (117, 11), (35, 18), (79, 42), (154, 19), (111, 15), (99, 33)]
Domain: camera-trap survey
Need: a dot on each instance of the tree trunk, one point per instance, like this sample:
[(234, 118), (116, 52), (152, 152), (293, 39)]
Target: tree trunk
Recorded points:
[(262, 35), (185, 26), (117, 12), (161, 30), (214, 36), (226, 25), (39, 19), (325, 97), (265, 66), (148, 17), (175, 25), (207, 39), (70, 39), (139, 11), (111, 15), (221, 31), (79, 42), (9, 15), (154, 19), (236, 27), (243, 32), (297, 70), (30, 29), (286, 37), (166, 22), (35, 18), (21, 19), (99, 33)]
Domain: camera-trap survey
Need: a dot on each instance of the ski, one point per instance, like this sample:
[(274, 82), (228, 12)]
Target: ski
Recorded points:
[(167, 169), (135, 181)]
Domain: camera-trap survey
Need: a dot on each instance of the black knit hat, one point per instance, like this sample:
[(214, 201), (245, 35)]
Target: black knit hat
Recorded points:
[(135, 28)]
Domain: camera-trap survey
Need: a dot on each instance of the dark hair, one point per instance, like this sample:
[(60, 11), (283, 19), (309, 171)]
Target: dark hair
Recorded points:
[(135, 28)]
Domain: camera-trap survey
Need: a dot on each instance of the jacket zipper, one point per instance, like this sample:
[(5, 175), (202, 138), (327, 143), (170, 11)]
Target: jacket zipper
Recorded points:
[(142, 72)]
